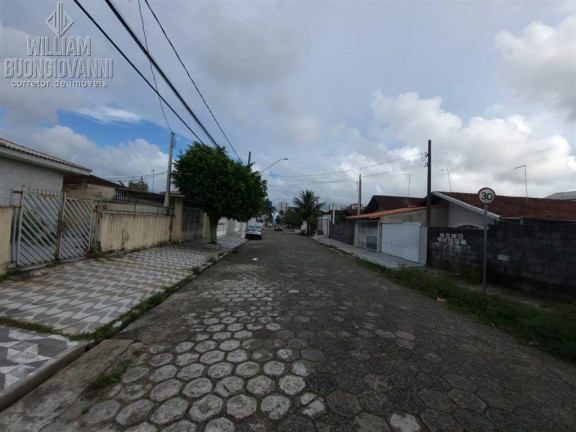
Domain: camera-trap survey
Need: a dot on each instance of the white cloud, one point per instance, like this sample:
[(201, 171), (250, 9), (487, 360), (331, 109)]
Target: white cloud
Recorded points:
[(540, 64), (107, 114)]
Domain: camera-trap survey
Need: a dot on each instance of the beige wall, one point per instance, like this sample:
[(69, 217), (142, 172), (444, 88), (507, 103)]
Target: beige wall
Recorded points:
[(176, 235), (89, 191), (118, 231), (5, 229), (439, 217)]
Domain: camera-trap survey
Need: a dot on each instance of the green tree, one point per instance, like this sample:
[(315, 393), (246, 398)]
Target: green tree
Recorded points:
[(140, 185), (292, 217), (218, 185), (268, 211), (308, 206)]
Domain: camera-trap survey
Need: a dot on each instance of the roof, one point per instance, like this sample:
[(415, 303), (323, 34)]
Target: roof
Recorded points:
[(377, 215), (388, 202), (563, 196), (509, 207), (76, 179), (17, 151)]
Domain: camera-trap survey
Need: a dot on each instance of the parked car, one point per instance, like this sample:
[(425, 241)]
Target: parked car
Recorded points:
[(278, 228), (254, 232)]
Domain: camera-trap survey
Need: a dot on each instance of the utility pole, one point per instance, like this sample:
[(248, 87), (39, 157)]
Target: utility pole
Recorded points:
[(249, 157), (359, 193), (169, 173), (333, 212), (152, 180), (429, 188)]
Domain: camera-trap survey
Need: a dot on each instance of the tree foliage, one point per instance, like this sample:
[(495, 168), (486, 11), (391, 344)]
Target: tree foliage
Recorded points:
[(218, 185), (308, 206)]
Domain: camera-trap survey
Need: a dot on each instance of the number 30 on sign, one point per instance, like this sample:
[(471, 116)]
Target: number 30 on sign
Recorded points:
[(486, 195)]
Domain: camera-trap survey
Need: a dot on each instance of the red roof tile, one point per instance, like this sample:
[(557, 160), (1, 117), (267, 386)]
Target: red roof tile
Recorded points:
[(377, 215)]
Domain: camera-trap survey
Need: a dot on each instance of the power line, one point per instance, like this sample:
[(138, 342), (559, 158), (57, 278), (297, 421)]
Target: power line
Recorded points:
[(134, 67), (136, 176), (354, 169), (188, 73), (151, 68), (158, 68)]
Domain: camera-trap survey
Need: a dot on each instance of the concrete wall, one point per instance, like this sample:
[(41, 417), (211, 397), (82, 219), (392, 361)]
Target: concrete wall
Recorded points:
[(5, 230), (438, 217), (540, 257), (117, 231), (459, 216), (89, 191), (15, 173), (176, 234)]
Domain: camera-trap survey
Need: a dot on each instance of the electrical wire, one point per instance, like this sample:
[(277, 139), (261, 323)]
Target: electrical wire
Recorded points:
[(151, 68), (158, 68), (352, 169), (189, 76), (134, 67), (137, 176)]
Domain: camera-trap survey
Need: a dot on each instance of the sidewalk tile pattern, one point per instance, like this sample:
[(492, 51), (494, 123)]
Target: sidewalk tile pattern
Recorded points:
[(85, 295), (23, 352)]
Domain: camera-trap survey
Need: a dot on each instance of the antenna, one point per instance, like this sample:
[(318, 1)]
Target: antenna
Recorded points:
[(525, 178), (449, 182)]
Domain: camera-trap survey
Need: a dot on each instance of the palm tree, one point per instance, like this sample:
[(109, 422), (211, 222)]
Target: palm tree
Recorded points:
[(268, 211), (308, 207)]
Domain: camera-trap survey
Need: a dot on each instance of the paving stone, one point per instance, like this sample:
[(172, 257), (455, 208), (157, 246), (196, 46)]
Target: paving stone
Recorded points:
[(198, 387), (385, 334), (193, 370), (229, 345), (181, 426), (221, 336), (161, 359), (273, 326), (274, 368), (312, 354), (237, 356), (134, 374), (143, 427), (291, 384), (437, 400), (169, 411), (275, 406), (220, 370), (183, 347), (247, 369), (365, 422), (467, 400), (205, 346), (243, 334), (405, 335), (135, 413), (221, 424), (132, 392), (300, 368), (229, 386), (155, 349), (163, 373), (344, 404), (102, 412), (287, 354), (241, 406), (404, 423), (212, 357), (260, 385), (206, 408), (262, 354), (440, 422), (314, 408), (165, 390), (252, 344), (186, 358)]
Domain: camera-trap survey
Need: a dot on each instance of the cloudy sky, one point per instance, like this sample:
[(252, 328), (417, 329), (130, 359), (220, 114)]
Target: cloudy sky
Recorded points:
[(333, 86)]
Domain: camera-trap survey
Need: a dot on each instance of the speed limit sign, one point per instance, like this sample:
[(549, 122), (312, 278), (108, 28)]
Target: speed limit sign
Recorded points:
[(486, 195)]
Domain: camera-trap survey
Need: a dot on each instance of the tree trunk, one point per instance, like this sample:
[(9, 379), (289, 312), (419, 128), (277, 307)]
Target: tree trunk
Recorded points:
[(213, 228)]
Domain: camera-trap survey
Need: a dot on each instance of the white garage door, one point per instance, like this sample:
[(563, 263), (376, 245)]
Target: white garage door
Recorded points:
[(401, 240)]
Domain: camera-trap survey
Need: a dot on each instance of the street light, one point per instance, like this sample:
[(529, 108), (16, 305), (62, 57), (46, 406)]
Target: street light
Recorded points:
[(270, 166)]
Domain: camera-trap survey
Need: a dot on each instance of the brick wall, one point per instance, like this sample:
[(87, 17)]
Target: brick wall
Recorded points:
[(537, 257)]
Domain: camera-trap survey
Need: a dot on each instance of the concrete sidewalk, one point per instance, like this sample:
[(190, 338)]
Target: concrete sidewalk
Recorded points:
[(82, 296), (380, 258)]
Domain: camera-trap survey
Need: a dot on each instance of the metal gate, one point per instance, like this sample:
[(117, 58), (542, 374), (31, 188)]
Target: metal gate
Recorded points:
[(49, 228), (402, 240)]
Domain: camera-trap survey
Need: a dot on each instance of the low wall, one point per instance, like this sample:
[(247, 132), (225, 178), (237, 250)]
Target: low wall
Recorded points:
[(118, 231), (539, 257), (5, 230)]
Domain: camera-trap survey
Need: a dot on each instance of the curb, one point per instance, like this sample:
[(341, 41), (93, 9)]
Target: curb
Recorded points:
[(26, 385)]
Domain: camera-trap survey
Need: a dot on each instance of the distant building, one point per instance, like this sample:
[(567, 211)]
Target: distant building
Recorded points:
[(564, 196)]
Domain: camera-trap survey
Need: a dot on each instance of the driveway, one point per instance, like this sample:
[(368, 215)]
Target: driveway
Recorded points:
[(289, 335)]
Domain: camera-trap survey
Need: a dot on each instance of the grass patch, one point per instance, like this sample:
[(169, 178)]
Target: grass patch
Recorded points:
[(108, 379), (25, 325), (552, 331)]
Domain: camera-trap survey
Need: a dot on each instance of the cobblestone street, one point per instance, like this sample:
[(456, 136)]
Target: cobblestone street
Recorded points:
[(289, 335)]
